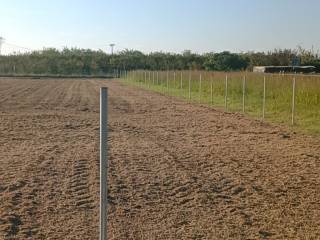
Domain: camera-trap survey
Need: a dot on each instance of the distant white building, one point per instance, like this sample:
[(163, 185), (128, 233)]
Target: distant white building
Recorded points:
[(284, 69)]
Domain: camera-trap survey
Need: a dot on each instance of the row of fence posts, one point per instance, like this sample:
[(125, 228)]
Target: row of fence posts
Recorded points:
[(166, 88), (104, 128)]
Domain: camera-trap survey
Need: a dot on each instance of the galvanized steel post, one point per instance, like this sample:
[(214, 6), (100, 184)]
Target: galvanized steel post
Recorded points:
[(103, 161), (181, 84), (190, 85), (200, 86), (244, 94), (293, 100), (211, 90), (167, 82), (264, 98), (226, 94)]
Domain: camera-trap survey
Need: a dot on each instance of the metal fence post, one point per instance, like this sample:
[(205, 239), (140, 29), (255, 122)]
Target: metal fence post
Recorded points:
[(103, 161), (293, 99), (167, 82), (162, 82), (226, 94), (145, 78), (244, 94), (200, 90), (140, 79), (211, 90), (136, 76), (157, 78), (174, 80), (152, 77), (190, 85), (181, 84), (264, 98)]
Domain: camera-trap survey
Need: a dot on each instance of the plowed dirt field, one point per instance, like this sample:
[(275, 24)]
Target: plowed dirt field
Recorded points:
[(176, 170)]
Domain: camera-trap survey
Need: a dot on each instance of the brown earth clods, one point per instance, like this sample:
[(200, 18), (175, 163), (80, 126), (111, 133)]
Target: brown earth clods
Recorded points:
[(176, 170)]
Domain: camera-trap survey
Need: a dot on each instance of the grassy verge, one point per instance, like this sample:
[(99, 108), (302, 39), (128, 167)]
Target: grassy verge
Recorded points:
[(247, 95)]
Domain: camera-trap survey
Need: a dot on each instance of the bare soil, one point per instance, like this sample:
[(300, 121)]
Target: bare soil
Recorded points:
[(176, 170)]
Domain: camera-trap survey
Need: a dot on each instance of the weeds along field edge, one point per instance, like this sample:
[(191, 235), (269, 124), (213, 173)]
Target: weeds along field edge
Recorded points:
[(291, 99)]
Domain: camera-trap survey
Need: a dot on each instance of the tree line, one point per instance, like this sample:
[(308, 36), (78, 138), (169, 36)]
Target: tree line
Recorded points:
[(76, 61)]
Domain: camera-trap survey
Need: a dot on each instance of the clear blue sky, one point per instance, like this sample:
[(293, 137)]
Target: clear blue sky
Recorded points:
[(167, 25)]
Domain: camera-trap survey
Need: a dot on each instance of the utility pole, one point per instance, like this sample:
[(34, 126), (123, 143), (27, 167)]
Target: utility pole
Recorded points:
[(1, 42), (112, 46)]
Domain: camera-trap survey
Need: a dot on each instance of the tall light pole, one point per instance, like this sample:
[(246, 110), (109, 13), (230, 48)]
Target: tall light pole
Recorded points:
[(1, 42), (112, 46)]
